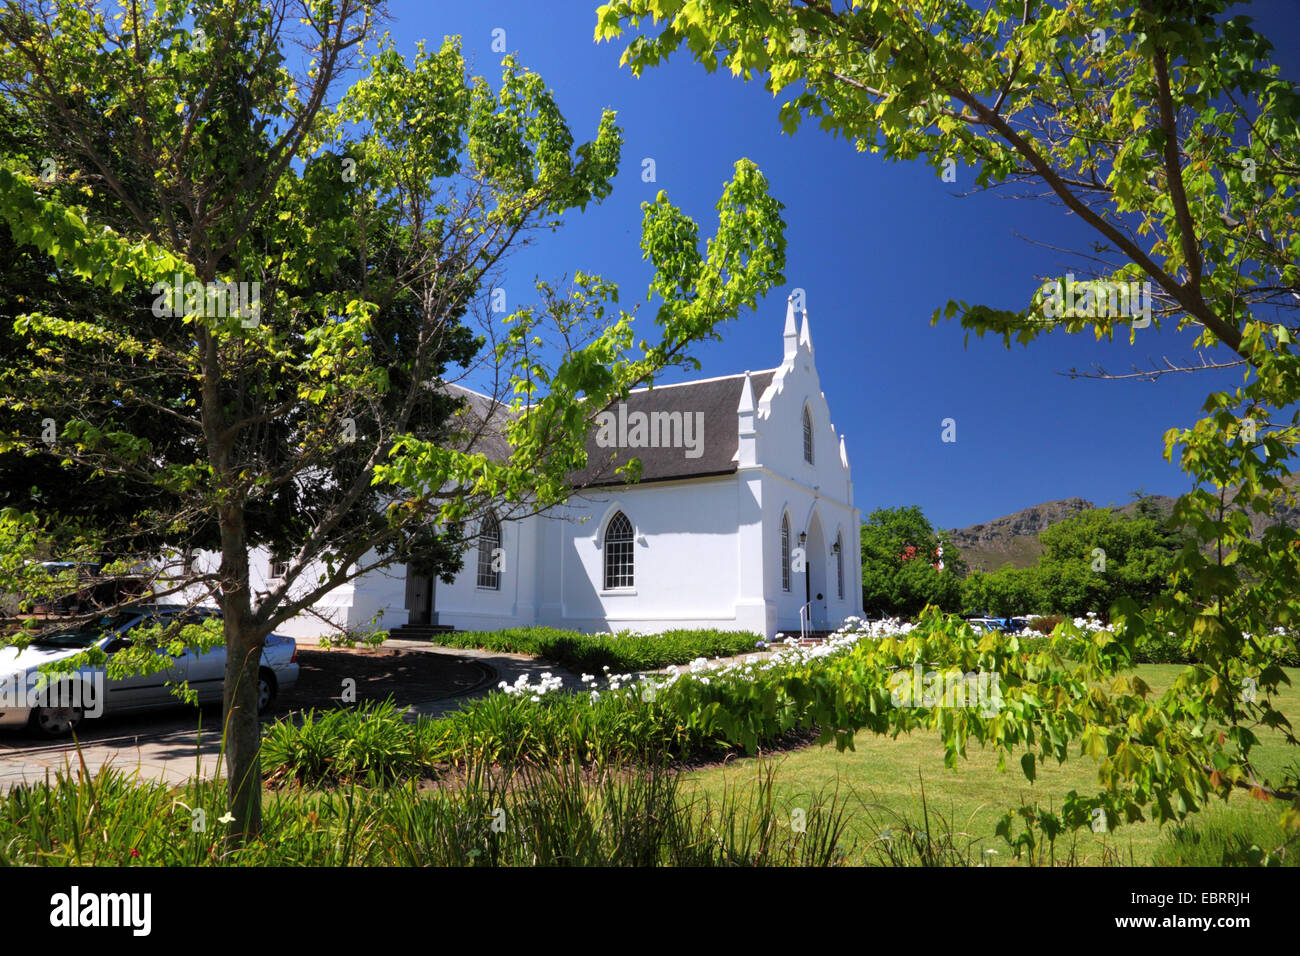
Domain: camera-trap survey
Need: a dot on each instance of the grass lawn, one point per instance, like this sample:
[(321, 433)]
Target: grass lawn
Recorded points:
[(881, 783)]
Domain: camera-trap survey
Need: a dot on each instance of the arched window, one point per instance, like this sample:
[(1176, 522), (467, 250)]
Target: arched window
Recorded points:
[(489, 547), (807, 435), (839, 564), (618, 552), (785, 552)]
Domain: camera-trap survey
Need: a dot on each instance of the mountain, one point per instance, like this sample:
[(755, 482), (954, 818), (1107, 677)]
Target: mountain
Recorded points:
[(1013, 539)]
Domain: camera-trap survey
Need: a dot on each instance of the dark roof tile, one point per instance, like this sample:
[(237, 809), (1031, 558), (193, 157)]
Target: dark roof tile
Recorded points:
[(715, 399)]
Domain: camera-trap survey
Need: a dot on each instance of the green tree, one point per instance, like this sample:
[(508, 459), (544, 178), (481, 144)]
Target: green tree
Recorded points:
[(900, 551), (1004, 592), (1163, 127), (1095, 558), (213, 146), (1090, 561)]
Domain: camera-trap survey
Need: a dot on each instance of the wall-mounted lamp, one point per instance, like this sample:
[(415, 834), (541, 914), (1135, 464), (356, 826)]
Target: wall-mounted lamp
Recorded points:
[(803, 537), (835, 548)]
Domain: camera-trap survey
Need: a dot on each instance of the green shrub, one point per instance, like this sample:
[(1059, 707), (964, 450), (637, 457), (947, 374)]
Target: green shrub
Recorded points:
[(372, 742), (557, 813), (1150, 649), (744, 706), (375, 745), (624, 651), (739, 707), (1160, 649), (507, 728)]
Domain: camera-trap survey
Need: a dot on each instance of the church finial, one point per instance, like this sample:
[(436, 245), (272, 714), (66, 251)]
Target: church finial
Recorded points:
[(746, 420), (805, 336), (791, 330), (746, 395)]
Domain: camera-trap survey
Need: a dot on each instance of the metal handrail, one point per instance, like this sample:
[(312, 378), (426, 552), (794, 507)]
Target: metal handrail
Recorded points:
[(805, 613)]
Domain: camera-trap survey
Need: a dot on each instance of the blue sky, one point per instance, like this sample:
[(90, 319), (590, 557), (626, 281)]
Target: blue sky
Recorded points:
[(877, 247)]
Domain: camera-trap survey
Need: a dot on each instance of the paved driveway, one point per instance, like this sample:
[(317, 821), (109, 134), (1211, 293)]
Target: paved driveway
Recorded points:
[(174, 745)]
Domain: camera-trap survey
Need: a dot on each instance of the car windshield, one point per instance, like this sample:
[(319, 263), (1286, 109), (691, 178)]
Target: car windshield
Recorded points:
[(86, 634)]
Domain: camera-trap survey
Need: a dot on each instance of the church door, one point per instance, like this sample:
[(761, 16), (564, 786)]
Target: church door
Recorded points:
[(419, 596)]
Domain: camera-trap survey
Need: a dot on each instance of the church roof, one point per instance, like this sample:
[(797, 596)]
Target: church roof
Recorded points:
[(715, 398), (480, 425), (483, 420)]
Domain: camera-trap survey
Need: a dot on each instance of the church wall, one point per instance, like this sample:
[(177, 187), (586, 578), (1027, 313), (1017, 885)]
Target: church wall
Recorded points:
[(685, 554), (821, 519), (467, 607)]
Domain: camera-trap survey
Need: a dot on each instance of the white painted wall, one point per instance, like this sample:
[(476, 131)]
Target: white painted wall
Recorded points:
[(686, 572), (349, 605), (467, 607)]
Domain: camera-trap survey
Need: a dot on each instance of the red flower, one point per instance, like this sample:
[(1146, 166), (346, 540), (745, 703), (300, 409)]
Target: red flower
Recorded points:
[(134, 851)]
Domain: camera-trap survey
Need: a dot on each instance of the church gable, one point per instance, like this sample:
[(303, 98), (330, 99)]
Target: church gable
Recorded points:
[(796, 436)]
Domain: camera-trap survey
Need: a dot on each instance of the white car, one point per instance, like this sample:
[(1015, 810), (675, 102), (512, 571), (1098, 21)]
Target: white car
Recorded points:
[(88, 692)]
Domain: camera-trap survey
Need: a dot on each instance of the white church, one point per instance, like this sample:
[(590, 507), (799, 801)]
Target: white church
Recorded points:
[(745, 523)]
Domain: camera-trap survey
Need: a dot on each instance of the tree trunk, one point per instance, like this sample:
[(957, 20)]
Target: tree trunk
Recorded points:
[(242, 731)]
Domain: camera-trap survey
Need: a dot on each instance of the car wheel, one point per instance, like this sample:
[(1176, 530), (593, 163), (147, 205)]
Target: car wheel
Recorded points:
[(265, 689), (56, 721)]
